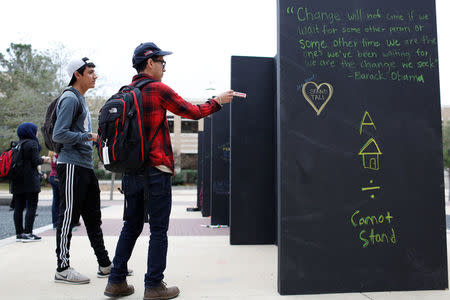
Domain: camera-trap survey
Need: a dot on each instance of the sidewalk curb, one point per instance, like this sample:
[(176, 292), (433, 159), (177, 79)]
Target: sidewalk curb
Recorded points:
[(12, 239)]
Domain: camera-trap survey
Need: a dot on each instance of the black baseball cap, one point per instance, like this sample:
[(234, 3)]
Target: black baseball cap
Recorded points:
[(145, 51)]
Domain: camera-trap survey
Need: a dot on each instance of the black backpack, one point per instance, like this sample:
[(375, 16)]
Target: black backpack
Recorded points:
[(11, 162), (122, 145), (49, 123)]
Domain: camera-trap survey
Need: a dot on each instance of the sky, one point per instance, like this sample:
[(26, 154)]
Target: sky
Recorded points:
[(202, 34)]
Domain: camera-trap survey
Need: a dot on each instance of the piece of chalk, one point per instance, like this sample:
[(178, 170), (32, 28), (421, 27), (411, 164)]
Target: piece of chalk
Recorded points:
[(242, 95)]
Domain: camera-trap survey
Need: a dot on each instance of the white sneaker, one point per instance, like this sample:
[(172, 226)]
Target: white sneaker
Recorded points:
[(71, 276), (105, 271)]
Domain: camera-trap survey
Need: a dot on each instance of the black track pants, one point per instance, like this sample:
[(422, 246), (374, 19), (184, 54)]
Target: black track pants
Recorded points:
[(79, 195)]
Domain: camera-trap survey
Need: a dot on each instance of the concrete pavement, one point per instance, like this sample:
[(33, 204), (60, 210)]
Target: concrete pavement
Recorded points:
[(200, 262)]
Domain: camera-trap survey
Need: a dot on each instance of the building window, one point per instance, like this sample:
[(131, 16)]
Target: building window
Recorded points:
[(189, 126), (170, 121)]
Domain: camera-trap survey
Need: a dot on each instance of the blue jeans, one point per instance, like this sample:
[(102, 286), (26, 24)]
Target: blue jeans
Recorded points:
[(55, 204), (158, 207)]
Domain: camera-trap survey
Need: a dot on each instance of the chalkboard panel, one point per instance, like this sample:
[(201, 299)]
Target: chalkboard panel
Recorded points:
[(206, 205), (220, 193), (361, 202), (253, 196), (200, 170)]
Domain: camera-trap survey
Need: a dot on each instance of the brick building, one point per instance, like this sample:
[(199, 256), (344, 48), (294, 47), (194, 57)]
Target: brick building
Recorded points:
[(183, 133)]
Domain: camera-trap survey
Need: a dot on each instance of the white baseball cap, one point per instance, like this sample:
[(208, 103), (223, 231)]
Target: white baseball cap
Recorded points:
[(75, 65)]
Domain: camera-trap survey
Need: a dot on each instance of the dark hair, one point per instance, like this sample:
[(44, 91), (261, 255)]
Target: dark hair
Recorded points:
[(140, 67), (81, 69)]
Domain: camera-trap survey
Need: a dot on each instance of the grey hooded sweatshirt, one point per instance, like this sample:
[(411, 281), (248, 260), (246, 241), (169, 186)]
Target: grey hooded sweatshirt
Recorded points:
[(72, 129)]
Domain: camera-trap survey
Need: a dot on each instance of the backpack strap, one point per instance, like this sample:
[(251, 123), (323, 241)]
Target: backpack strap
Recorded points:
[(79, 112), (80, 108), (140, 85), (19, 146), (143, 82), (164, 136)]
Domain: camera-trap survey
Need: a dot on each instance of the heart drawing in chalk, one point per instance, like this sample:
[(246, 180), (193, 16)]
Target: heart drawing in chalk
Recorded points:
[(315, 93)]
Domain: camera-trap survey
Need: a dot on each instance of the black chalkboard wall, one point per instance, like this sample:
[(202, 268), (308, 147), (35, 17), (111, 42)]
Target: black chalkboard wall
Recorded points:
[(200, 170), (220, 193), (206, 204), (253, 195), (361, 200)]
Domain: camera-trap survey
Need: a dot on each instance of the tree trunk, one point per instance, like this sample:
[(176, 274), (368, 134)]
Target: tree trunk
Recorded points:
[(448, 184)]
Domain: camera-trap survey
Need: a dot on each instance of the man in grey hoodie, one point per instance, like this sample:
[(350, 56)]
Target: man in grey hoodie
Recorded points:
[(79, 189)]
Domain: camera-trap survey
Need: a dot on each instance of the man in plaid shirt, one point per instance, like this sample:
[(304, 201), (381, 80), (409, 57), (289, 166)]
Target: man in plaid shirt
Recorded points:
[(157, 98)]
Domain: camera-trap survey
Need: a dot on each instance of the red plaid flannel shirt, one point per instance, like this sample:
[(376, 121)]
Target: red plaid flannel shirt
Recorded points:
[(157, 98)]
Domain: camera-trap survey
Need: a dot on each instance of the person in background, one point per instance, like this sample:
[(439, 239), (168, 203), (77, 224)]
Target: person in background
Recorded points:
[(54, 181), (12, 204), (42, 178), (27, 183)]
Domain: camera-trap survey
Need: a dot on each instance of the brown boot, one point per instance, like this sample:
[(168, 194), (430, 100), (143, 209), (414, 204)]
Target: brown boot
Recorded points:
[(161, 292), (118, 289)]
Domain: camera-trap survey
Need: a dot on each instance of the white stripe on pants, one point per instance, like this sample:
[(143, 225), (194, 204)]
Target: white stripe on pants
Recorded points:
[(70, 169)]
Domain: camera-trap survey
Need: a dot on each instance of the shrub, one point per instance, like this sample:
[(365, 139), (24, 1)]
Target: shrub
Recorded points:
[(106, 175), (185, 177)]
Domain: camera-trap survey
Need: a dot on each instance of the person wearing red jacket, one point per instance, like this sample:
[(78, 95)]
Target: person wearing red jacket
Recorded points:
[(157, 98)]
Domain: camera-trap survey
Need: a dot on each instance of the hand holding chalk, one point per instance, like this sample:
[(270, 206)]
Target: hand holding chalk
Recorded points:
[(240, 95), (225, 97)]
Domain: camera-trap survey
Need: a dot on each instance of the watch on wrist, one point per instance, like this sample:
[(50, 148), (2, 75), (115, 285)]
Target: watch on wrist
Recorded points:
[(89, 136)]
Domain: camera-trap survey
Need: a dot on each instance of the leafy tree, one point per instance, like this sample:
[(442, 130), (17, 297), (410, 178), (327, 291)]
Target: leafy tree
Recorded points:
[(28, 82), (446, 145)]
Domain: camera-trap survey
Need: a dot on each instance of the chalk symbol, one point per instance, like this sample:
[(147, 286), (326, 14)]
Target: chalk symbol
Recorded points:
[(370, 153), (317, 94), (371, 188), (290, 10)]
